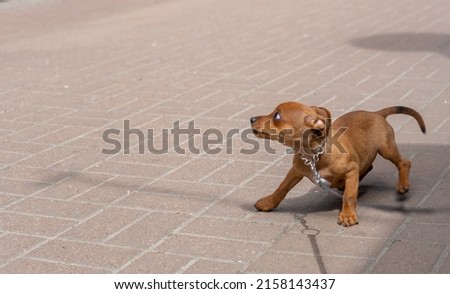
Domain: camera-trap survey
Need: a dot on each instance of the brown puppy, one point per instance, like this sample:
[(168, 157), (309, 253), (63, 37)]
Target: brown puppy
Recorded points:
[(352, 143)]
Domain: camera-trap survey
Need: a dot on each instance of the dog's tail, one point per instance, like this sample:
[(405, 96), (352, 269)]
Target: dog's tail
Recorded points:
[(404, 110)]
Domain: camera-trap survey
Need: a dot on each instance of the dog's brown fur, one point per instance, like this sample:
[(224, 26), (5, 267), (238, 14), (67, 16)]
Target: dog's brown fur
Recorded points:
[(364, 135)]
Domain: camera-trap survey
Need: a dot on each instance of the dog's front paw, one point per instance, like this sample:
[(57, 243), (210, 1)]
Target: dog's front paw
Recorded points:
[(347, 219), (265, 204)]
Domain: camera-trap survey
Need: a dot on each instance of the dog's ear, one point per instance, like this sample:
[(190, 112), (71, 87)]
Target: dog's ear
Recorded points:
[(319, 121), (315, 122), (323, 112)]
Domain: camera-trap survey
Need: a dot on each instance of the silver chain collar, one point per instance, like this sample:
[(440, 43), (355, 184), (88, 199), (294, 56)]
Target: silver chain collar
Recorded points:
[(312, 163)]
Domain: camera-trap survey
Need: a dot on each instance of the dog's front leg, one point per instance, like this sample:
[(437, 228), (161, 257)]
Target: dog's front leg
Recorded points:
[(270, 202), (347, 217)]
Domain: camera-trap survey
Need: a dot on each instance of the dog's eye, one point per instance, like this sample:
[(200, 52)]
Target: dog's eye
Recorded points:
[(277, 116)]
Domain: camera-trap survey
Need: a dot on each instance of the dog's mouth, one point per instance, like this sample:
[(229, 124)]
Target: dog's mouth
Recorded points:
[(262, 134)]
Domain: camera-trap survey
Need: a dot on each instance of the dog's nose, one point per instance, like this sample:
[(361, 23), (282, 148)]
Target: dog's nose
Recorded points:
[(252, 119)]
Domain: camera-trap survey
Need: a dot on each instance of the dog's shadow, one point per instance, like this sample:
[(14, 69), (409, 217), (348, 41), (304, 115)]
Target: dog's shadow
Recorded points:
[(311, 202), (374, 197), (318, 200)]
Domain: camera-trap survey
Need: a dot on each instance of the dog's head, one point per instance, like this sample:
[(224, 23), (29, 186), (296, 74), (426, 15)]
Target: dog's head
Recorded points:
[(294, 124)]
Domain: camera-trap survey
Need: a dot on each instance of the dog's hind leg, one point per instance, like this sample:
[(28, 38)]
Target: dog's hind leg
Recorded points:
[(389, 151)]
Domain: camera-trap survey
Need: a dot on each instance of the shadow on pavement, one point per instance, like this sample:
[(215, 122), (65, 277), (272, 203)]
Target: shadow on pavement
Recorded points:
[(430, 170), (430, 164), (407, 42)]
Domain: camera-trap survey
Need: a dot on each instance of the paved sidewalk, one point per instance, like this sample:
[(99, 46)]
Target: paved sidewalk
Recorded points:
[(72, 69)]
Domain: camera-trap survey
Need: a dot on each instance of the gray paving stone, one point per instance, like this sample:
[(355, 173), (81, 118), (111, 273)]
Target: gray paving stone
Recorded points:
[(56, 208), (288, 263), (14, 245), (104, 224), (66, 207), (249, 231), (156, 263), (422, 258), (207, 247), (83, 254), (142, 235), (36, 266), (203, 266), (32, 224)]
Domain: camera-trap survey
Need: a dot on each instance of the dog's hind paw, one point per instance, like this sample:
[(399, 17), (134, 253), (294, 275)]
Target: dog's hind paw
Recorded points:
[(402, 189)]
